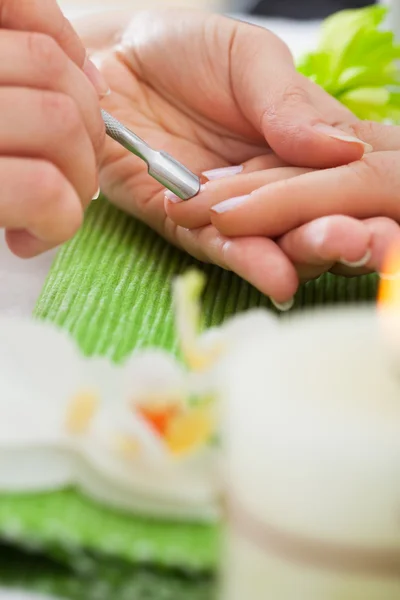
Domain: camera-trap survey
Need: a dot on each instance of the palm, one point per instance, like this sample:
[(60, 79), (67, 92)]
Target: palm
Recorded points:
[(179, 123)]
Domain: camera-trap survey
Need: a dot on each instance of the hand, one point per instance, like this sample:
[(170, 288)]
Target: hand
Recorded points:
[(201, 87), (293, 206), (336, 243), (51, 131)]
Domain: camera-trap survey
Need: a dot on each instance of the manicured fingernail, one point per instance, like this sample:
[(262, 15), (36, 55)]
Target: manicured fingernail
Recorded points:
[(358, 263), (96, 78), (283, 306), (224, 172), (338, 134), (97, 195), (171, 197), (230, 204)]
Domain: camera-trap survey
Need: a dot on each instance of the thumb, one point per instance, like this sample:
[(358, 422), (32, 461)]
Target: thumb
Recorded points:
[(296, 117)]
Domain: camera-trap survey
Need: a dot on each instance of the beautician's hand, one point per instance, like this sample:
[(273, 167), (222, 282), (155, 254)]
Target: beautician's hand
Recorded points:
[(51, 131), (214, 92)]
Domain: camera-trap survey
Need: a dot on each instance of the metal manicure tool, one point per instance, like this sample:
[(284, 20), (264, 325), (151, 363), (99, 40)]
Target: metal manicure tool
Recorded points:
[(161, 166)]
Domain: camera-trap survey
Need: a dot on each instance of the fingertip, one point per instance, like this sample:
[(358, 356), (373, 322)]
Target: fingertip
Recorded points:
[(318, 246), (191, 214), (385, 235), (283, 307), (25, 245), (343, 239)]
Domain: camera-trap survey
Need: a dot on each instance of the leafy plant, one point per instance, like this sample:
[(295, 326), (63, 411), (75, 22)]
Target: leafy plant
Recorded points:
[(356, 62)]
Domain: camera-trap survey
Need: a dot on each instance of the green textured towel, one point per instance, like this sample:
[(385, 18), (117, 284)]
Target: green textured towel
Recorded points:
[(111, 288), (109, 580)]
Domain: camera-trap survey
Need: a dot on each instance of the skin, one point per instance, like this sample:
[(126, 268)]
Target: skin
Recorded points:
[(199, 86), (51, 132), (213, 112)]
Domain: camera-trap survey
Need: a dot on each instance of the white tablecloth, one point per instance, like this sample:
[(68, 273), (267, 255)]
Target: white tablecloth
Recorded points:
[(21, 281)]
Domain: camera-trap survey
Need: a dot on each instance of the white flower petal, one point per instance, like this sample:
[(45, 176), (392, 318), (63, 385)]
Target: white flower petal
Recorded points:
[(40, 369), (153, 373)]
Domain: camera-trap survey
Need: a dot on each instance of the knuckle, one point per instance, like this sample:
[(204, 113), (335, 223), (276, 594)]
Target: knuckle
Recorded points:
[(61, 112), (377, 176), (365, 130), (362, 170), (377, 170), (294, 93), (280, 106), (213, 244), (46, 53)]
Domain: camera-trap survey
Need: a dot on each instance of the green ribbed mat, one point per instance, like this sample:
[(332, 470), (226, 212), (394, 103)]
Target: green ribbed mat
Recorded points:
[(110, 288), (110, 580)]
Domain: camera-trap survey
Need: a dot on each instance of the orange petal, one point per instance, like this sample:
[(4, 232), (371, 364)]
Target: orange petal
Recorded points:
[(159, 417), (189, 431)]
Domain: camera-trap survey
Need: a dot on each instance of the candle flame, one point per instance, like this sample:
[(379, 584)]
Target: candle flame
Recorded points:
[(389, 288)]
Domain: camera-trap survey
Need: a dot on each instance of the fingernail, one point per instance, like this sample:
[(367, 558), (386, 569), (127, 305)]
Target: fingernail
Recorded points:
[(283, 306), (224, 172), (96, 78), (358, 263), (97, 195), (171, 197), (338, 134), (230, 204)]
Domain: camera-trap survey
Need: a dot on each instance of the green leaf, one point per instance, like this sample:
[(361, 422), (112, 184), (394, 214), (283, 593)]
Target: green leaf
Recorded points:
[(356, 62)]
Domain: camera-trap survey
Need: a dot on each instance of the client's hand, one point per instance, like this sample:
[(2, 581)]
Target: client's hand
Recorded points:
[(271, 202), (215, 92)]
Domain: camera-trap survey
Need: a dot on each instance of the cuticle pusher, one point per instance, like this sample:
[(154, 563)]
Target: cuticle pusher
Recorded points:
[(161, 166)]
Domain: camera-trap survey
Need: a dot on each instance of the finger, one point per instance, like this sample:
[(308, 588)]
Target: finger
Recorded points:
[(268, 160), (196, 212), (36, 197), (327, 240), (315, 247), (380, 136), (364, 189), (257, 260), (296, 117), (38, 62), (384, 235), (25, 245), (45, 16), (48, 125)]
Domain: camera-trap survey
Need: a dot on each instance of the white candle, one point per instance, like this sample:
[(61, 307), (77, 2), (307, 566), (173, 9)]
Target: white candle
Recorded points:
[(313, 463)]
